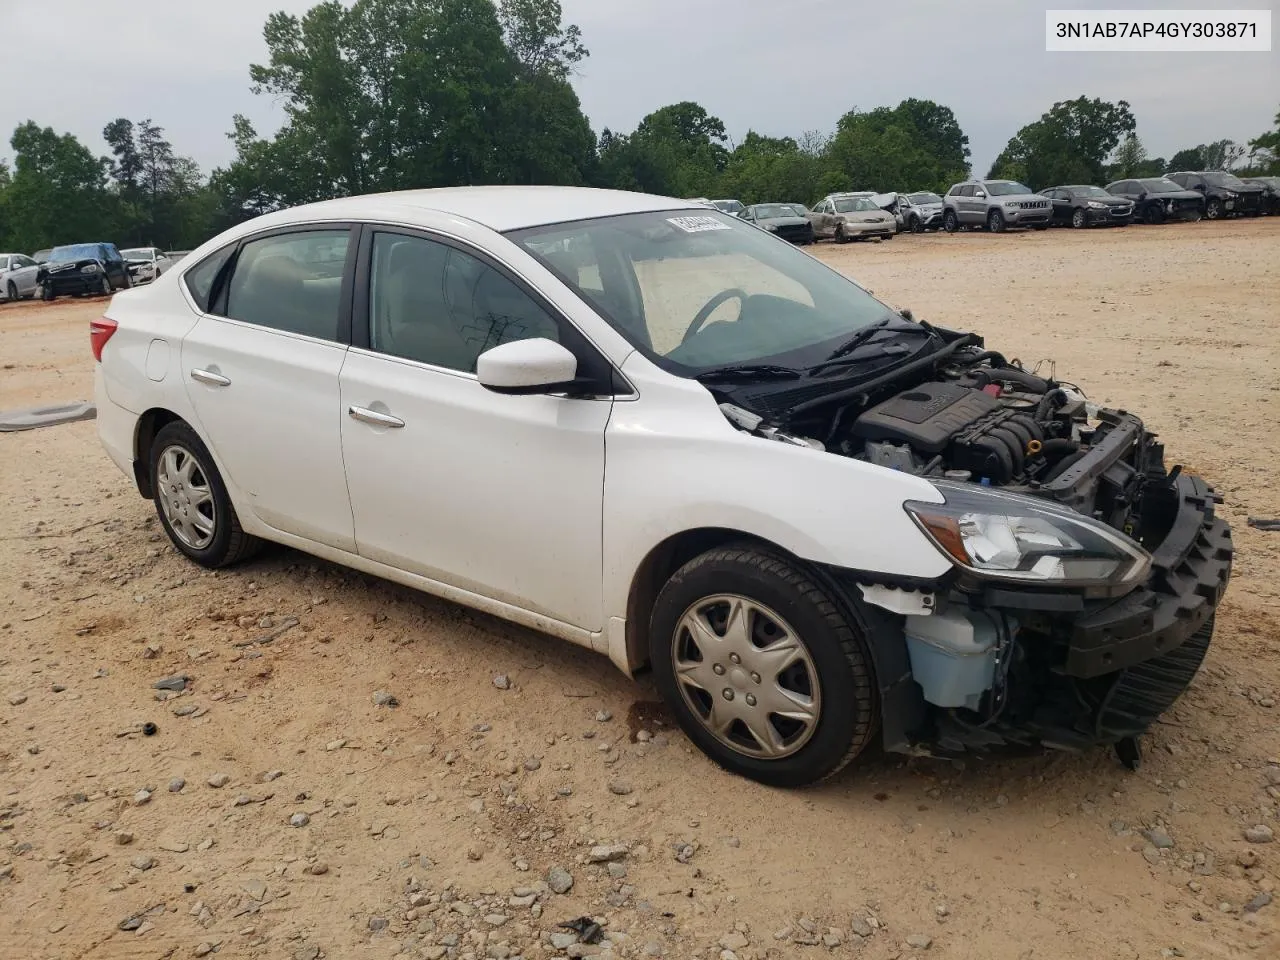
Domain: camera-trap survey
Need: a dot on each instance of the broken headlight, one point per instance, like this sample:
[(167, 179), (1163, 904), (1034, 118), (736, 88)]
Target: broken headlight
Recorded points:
[(1010, 537)]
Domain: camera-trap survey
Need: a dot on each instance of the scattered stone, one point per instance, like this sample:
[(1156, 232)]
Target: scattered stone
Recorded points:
[(130, 923), (272, 775), (1260, 900), (176, 683), (475, 853), (318, 869), (378, 924), (176, 785), (173, 846), (299, 820), (919, 941), (653, 948), (617, 870), (381, 698), (203, 950), (559, 880), (219, 780), (832, 938), (1247, 858), (17, 699), (141, 797), (124, 837), (603, 716), (532, 763), (308, 951), (185, 709), (1150, 854), (58, 688), (860, 927), (604, 853), (562, 941), (502, 682), (142, 863), (335, 745), (684, 852), (619, 787), (1272, 776), (33, 748), (1260, 833), (1159, 838), (496, 919), (734, 941), (942, 910)]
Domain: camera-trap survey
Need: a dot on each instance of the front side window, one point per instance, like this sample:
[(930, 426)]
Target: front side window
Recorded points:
[(291, 282), (436, 304), (697, 292)]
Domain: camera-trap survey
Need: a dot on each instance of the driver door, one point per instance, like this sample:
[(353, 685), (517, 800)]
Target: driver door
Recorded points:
[(495, 494)]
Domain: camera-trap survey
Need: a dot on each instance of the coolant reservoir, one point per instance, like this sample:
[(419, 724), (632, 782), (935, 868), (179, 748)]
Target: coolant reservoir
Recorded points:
[(953, 656)]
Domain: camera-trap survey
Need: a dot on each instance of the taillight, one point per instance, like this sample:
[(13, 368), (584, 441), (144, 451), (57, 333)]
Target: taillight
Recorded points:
[(100, 332)]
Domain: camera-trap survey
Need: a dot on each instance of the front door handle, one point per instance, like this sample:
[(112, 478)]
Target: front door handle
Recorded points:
[(365, 415), (211, 378)]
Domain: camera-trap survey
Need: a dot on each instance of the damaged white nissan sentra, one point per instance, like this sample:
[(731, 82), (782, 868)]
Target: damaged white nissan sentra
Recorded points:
[(654, 430)]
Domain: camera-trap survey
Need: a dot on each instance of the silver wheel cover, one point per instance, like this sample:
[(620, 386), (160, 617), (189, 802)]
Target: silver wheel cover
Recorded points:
[(747, 676), (186, 499)]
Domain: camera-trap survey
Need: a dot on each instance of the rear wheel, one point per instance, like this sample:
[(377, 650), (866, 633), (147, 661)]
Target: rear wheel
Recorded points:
[(995, 221), (950, 222), (763, 670), (192, 500)]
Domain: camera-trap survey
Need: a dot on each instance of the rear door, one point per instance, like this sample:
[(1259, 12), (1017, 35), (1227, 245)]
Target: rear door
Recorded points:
[(966, 205), (23, 272), (261, 370), (494, 494)]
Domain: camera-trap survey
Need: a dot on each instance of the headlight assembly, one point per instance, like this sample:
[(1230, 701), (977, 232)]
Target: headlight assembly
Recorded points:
[(89, 268), (1015, 538), (1097, 205)]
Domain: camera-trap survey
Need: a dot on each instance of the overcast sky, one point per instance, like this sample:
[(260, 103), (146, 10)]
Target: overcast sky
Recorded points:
[(776, 66)]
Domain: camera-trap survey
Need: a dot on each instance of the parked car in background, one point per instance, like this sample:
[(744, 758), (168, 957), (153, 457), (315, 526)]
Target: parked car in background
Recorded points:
[(1081, 206), (17, 276), (888, 202), (780, 218), (1157, 199), (146, 264), (994, 204), (81, 268), (731, 207), (920, 211), (1270, 192), (1224, 193), (968, 557), (843, 217)]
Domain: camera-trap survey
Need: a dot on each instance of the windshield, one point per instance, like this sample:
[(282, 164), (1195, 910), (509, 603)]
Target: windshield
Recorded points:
[(1160, 185), (798, 209), (1096, 192), (77, 251), (1221, 178), (138, 253), (769, 211), (693, 292), (859, 205), (922, 198), (1005, 188), (728, 206)]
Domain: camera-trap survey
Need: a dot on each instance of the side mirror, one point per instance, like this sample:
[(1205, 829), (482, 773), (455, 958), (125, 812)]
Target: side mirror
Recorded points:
[(980, 195), (537, 365)]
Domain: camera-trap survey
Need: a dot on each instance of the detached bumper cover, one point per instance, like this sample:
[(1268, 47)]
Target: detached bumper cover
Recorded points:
[(1190, 572)]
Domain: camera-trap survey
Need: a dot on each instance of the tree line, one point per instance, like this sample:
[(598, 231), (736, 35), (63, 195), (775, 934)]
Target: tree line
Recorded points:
[(396, 94)]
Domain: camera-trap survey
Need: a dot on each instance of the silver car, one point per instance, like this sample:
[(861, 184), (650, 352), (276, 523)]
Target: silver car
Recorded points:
[(17, 276), (843, 218), (920, 211), (996, 205)]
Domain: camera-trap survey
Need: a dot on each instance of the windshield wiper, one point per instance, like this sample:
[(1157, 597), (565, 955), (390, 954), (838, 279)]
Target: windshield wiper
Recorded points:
[(748, 371), (857, 340)]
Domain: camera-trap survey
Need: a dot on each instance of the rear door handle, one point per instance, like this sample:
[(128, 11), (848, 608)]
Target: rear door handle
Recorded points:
[(211, 378), (365, 415)]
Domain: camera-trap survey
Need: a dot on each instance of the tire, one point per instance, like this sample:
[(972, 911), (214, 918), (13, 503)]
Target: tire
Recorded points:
[(105, 288), (995, 221), (889, 236), (12, 292), (1154, 214), (128, 282), (194, 488), (950, 222), (1214, 211), (776, 599), (914, 225), (839, 234), (1079, 219), (46, 293)]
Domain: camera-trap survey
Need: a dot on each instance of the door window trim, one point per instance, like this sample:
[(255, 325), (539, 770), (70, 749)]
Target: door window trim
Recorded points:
[(612, 383)]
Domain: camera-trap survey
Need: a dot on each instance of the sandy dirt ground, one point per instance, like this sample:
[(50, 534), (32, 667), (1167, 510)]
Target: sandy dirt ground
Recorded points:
[(279, 811)]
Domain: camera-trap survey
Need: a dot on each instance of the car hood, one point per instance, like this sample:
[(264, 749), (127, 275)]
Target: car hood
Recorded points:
[(784, 221), (1016, 198)]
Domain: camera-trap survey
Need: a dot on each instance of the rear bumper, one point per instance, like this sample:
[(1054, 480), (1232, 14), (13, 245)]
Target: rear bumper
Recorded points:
[(117, 426)]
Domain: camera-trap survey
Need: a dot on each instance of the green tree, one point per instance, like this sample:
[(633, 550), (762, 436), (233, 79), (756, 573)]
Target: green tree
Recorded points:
[(1190, 159), (537, 37), (1068, 144), (1130, 156), (678, 150), (56, 193), (1264, 151), (765, 169), (916, 145)]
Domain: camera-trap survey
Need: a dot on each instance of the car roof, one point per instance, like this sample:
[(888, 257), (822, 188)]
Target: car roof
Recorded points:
[(499, 208)]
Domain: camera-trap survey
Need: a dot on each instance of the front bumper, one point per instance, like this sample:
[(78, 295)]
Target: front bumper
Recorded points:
[(869, 229), (63, 284), (1017, 216), (1109, 215)]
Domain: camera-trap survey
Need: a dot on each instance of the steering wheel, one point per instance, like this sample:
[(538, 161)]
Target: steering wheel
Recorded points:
[(733, 293)]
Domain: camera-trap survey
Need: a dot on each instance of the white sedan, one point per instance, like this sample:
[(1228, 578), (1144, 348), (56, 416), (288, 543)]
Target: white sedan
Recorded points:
[(146, 263), (648, 428), (17, 276)]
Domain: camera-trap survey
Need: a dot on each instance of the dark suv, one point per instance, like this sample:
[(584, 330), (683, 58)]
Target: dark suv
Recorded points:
[(81, 268), (1156, 199), (1085, 206), (1224, 193)]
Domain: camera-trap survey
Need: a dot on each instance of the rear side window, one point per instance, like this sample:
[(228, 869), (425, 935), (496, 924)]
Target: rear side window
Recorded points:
[(199, 279), (291, 282)]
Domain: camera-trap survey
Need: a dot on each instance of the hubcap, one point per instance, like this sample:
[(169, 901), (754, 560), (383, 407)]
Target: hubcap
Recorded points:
[(747, 676), (185, 498)]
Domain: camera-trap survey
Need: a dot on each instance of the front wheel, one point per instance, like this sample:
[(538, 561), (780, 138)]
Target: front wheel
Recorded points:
[(46, 292), (192, 500), (915, 225), (12, 292), (761, 667), (840, 236), (950, 222), (995, 221), (1079, 219), (1154, 214), (1214, 210)]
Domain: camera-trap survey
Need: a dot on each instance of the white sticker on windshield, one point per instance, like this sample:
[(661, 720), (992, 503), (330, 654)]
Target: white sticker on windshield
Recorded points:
[(698, 224)]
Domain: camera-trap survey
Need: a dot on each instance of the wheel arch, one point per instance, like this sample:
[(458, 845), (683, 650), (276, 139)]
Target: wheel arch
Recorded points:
[(150, 423)]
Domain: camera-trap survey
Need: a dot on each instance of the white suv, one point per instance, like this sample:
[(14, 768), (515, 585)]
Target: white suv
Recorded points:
[(649, 428)]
